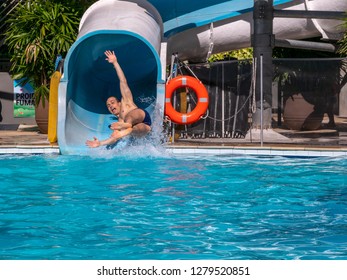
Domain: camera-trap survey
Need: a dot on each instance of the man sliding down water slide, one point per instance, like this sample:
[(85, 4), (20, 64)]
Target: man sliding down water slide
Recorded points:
[(131, 119)]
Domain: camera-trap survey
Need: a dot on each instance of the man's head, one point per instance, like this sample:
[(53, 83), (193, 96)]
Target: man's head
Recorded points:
[(113, 105)]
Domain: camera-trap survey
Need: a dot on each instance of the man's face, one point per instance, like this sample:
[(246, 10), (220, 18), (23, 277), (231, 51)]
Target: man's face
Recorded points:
[(113, 105)]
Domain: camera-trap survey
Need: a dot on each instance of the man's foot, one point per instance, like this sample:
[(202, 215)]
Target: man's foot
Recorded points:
[(117, 134)]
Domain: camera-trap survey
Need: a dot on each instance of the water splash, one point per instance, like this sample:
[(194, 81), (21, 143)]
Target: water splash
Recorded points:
[(152, 145)]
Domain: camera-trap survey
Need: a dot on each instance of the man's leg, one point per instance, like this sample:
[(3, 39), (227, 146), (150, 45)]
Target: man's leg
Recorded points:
[(135, 116), (141, 129), (133, 124), (132, 118)]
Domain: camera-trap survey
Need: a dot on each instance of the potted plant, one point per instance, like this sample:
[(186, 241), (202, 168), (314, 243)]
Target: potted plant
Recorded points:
[(310, 89), (37, 32)]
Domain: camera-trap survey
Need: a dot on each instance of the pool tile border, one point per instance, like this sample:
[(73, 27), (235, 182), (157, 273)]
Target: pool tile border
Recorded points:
[(260, 151), (20, 150), (198, 150)]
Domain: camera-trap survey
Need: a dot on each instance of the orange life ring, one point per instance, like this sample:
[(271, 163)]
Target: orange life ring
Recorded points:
[(200, 108)]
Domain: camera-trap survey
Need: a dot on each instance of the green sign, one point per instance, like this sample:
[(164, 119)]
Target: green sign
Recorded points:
[(24, 104)]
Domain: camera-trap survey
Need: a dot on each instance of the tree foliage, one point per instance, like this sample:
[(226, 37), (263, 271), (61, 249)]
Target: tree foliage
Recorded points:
[(343, 42), (38, 32), (246, 53)]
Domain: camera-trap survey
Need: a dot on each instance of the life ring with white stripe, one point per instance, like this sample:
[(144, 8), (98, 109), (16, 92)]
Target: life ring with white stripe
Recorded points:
[(201, 106)]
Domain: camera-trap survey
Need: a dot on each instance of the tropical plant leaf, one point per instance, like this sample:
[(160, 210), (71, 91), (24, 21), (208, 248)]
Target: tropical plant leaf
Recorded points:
[(38, 31)]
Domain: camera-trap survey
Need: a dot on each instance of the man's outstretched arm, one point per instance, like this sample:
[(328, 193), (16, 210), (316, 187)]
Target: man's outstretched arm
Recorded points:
[(115, 136), (124, 88), (97, 143)]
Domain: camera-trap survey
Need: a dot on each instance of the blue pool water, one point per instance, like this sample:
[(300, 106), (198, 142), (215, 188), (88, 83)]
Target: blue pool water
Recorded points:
[(160, 206)]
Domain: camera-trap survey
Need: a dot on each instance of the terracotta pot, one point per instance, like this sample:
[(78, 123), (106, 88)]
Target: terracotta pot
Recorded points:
[(41, 117), (300, 115)]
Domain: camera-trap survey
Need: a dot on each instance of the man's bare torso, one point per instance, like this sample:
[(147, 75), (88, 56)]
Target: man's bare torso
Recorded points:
[(125, 108)]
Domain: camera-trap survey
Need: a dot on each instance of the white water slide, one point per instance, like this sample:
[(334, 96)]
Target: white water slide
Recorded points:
[(144, 34)]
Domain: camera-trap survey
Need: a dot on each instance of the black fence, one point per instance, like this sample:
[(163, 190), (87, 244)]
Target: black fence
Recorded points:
[(305, 97), (307, 90), (229, 88)]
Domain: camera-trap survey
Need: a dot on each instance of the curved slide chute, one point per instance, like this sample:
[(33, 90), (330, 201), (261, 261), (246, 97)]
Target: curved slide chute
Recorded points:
[(133, 29)]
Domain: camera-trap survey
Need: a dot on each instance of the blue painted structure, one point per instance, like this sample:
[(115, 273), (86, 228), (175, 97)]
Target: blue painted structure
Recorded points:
[(180, 15)]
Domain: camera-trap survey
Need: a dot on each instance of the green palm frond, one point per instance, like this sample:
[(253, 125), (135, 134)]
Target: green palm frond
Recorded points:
[(37, 32), (343, 42)]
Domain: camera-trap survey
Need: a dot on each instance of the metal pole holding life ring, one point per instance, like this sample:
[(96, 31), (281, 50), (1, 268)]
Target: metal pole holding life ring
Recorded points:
[(201, 106)]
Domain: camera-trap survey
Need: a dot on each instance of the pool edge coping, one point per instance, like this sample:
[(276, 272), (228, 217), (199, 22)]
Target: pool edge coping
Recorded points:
[(201, 150)]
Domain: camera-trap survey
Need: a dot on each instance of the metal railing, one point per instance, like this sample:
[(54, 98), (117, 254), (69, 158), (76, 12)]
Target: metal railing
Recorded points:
[(308, 97)]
